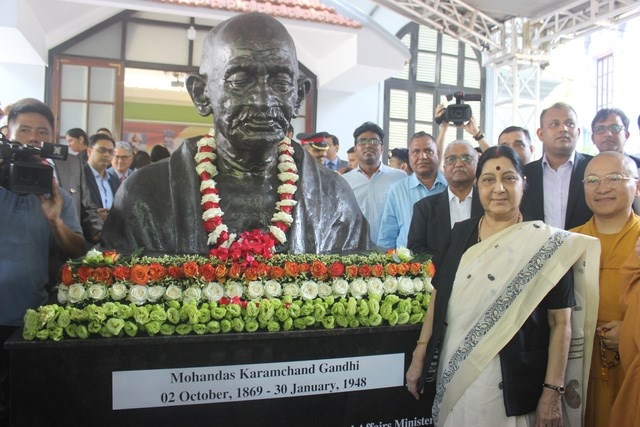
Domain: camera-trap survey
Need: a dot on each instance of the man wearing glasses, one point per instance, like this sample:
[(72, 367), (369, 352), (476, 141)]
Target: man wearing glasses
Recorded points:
[(370, 180), (610, 131), (102, 185), (121, 161), (610, 186)]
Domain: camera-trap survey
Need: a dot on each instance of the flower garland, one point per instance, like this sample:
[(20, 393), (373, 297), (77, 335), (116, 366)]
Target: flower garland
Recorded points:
[(224, 245)]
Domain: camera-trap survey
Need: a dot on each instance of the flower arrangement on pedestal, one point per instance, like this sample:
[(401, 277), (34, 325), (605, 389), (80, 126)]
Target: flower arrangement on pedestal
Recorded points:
[(108, 295)]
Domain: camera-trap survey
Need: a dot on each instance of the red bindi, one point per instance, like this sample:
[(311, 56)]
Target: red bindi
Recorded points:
[(497, 168)]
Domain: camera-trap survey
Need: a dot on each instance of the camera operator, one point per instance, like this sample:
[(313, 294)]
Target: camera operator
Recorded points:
[(470, 127), (31, 226)]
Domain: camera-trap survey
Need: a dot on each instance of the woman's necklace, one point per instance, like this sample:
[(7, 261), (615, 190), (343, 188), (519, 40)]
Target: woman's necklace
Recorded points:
[(225, 245), (482, 222)]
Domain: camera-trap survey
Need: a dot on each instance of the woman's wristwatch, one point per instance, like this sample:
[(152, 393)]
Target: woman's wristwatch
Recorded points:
[(558, 388)]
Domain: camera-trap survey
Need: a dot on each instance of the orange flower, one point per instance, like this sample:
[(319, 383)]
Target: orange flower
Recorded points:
[(221, 271), (251, 273), (157, 271), (392, 269), (277, 272), (304, 267), (336, 269), (110, 257), (235, 271), (208, 272), (190, 269), (140, 274), (84, 273), (291, 269), (403, 269), (175, 271), (103, 274), (263, 269), (318, 269), (430, 268), (352, 270), (415, 268), (66, 275), (121, 272), (377, 270), (365, 270)]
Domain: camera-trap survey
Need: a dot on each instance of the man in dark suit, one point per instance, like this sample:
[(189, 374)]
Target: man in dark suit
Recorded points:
[(332, 161), (555, 193), (102, 185), (434, 216)]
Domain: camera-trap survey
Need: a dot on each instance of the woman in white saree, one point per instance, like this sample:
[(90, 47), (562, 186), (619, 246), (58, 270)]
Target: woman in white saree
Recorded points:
[(500, 337)]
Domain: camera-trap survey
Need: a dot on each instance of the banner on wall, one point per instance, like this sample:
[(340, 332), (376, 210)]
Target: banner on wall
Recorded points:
[(144, 135)]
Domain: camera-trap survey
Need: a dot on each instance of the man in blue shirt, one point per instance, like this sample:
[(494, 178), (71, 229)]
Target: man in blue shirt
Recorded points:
[(102, 185), (426, 180), (371, 180)]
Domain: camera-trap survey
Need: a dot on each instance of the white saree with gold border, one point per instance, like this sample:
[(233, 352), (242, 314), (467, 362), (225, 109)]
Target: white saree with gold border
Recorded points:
[(498, 284)]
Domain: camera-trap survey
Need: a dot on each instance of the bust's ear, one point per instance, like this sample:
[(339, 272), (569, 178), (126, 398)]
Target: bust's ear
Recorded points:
[(304, 86), (196, 85)]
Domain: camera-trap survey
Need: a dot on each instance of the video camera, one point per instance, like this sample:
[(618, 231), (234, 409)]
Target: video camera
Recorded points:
[(458, 113), (20, 170)]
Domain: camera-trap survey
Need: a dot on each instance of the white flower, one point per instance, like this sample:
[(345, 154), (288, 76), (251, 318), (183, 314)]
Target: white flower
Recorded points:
[(138, 294), (287, 189), (427, 284), (227, 243), (375, 286), (291, 289), (63, 294), (340, 287), (286, 202), (206, 184), (255, 290), (215, 234), (209, 141), (284, 157), (97, 292), (210, 168), (358, 288), (76, 293), (405, 286), (213, 291), (155, 293), (205, 155), (278, 234), (213, 198), (233, 289), (324, 289), (272, 289), (287, 166), (390, 285), (404, 254), (211, 213), (288, 176), (118, 291), (418, 285), (308, 289), (192, 293), (173, 293), (282, 217), (93, 255)]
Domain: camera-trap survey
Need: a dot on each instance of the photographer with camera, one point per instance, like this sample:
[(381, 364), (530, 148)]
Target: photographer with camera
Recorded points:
[(460, 115), (32, 226)]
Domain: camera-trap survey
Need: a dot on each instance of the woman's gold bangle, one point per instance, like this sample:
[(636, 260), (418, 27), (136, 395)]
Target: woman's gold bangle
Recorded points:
[(422, 342)]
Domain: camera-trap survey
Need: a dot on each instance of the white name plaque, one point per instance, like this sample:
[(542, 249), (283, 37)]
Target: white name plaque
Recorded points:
[(192, 386)]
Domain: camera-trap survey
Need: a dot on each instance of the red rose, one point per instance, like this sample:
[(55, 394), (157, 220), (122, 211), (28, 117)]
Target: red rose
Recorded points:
[(291, 269), (377, 270), (121, 272), (66, 275), (221, 271), (304, 267), (365, 270), (84, 273), (208, 272), (110, 257), (336, 269), (103, 275), (352, 270), (157, 271), (263, 269), (318, 269), (140, 274), (392, 269), (190, 269), (251, 273), (430, 269), (174, 271), (403, 269), (277, 272), (235, 271), (415, 268)]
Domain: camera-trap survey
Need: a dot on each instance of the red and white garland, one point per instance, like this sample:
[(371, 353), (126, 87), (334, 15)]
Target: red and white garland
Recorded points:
[(225, 245)]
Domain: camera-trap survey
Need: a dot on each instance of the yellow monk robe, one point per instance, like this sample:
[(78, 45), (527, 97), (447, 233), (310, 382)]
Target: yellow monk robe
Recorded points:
[(626, 409), (616, 248)]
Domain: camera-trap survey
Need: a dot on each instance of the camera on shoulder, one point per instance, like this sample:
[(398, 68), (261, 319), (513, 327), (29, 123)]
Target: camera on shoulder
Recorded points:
[(21, 170), (458, 113)]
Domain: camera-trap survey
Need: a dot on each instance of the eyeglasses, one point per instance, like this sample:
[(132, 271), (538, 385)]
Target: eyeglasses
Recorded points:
[(613, 180), (368, 141), (103, 150), (611, 128), (465, 158)]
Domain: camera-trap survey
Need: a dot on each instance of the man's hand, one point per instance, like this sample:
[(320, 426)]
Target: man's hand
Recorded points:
[(610, 332), (51, 204)]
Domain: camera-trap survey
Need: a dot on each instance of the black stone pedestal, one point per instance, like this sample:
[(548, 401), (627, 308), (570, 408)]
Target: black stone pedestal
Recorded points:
[(72, 382)]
